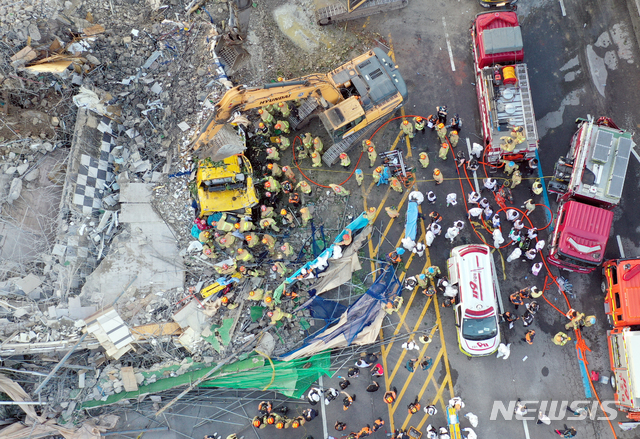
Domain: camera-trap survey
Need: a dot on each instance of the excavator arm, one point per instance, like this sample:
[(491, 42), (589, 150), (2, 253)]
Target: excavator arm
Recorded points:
[(242, 98)]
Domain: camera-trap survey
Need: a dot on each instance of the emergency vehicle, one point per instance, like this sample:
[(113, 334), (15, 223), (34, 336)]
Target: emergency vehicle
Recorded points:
[(471, 269), (502, 84), (621, 286), (589, 183), (624, 354)]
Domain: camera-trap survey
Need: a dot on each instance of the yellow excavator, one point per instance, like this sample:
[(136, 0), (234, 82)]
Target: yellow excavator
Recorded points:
[(352, 101)]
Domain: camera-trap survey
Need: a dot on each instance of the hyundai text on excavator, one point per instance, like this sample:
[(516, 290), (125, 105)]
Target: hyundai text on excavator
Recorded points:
[(352, 101)]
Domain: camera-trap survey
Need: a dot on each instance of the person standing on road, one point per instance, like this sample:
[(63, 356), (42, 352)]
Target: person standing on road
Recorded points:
[(441, 130), (510, 318), (407, 129), (373, 387), (340, 426), (390, 395), (419, 124), (516, 299), (347, 400), (414, 407), (310, 414), (568, 432), (529, 336), (442, 114)]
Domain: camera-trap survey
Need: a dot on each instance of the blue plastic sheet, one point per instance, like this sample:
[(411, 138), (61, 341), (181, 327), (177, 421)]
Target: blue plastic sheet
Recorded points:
[(410, 226), (363, 311), (384, 177)]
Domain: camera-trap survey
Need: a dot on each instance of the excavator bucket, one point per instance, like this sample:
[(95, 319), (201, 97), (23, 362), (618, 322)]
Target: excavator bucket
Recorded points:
[(233, 56), (225, 143)]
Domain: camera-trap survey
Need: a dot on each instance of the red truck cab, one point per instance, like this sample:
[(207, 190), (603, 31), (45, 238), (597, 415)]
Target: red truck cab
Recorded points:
[(497, 39), (580, 237)]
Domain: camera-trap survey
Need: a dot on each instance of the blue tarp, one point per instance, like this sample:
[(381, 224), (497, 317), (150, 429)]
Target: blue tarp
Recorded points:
[(410, 226), (362, 312)]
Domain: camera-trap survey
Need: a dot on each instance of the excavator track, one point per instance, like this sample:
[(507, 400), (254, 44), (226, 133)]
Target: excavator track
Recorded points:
[(338, 13), (304, 111)]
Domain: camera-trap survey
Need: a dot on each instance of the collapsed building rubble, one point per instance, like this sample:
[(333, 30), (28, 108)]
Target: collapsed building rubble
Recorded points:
[(103, 281)]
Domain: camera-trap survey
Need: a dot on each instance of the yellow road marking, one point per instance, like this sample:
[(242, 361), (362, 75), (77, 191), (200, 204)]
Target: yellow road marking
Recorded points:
[(447, 380), (424, 385), (391, 220), (422, 352)]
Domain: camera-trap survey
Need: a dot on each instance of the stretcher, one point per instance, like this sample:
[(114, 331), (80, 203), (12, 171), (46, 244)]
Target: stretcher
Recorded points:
[(454, 423)]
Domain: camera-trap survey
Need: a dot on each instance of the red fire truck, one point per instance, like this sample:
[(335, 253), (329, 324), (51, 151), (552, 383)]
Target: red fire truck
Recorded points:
[(502, 84), (589, 183)]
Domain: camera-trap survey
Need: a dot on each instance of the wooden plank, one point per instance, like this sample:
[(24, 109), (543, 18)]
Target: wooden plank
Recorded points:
[(93, 30), (129, 379), (155, 330)]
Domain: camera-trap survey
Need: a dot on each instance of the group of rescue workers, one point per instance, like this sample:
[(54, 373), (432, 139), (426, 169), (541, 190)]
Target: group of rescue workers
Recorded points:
[(247, 244)]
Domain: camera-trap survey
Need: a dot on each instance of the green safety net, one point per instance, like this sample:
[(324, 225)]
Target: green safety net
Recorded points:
[(291, 378)]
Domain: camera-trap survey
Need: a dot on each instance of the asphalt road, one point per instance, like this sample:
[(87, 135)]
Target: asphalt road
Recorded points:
[(583, 63)]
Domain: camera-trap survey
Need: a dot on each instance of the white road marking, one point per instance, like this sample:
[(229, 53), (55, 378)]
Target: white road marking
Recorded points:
[(638, 6), (446, 36), (635, 154), (564, 12), (526, 429), (324, 414), (620, 247), (475, 174)]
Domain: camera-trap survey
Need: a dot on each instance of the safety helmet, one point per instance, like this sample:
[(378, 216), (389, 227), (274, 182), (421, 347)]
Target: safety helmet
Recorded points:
[(405, 122), (225, 266), (295, 424), (423, 154), (372, 209), (343, 155), (268, 299), (280, 79), (271, 419), (436, 171), (440, 125), (225, 300), (283, 248), (280, 425), (379, 169), (454, 132), (358, 171), (367, 142), (248, 237), (316, 140), (314, 155), (223, 240), (277, 126), (389, 398), (270, 166), (418, 119), (206, 234), (260, 111), (257, 422), (240, 250), (242, 269), (263, 208), (281, 104), (207, 251), (267, 194), (285, 168), (264, 240), (274, 268), (236, 225), (261, 125), (267, 184), (371, 149), (283, 212), (252, 293), (270, 313), (269, 150), (278, 140)]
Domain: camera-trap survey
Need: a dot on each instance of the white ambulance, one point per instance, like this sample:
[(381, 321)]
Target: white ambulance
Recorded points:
[(477, 309)]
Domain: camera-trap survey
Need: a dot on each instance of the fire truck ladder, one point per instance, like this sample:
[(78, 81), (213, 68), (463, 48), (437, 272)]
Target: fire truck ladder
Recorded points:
[(527, 105)]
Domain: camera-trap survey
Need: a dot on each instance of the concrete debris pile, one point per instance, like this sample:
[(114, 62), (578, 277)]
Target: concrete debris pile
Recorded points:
[(107, 284)]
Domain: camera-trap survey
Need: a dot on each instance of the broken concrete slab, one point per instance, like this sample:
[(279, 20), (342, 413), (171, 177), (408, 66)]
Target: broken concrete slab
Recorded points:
[(191, 316), (28, 283)]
